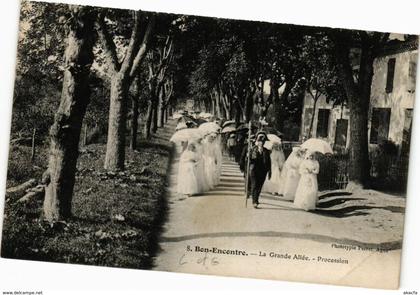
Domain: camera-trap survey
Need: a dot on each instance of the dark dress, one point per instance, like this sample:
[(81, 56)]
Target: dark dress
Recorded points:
[(260, 165)]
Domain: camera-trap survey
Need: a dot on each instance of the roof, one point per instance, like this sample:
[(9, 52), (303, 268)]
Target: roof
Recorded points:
[(395, 47)]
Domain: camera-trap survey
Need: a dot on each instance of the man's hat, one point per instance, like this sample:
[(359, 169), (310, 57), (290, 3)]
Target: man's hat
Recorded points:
[(261, 135)]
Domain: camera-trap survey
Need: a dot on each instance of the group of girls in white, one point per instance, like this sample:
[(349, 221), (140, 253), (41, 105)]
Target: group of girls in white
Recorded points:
[(200, 165), (295, 178)]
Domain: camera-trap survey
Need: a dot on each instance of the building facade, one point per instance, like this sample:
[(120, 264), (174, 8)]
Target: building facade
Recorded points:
[(391, 103)]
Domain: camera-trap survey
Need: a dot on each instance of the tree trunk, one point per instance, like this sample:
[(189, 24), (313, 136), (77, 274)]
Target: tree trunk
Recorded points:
[(226, 108), (85, 133), (115, 146), (274, 93), (33, 145), (311, 125), (155, 107), (122, 75), (66, 129), (217, 101), (279, 105), (358, 102), (148, 121), (213, 105), (159, 112), (238, 112), (249, 104), (162, 116), (134, 123), (162, 107)]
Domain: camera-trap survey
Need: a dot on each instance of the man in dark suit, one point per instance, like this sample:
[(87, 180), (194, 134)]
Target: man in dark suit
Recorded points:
[(260, 166)]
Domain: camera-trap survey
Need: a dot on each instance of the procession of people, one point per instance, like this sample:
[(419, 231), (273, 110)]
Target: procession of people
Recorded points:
[(260, 156)]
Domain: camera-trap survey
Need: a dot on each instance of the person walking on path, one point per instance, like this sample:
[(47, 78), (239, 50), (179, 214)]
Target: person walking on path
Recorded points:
[(187, 172), (273, 184), (203, 186), (231, 145), (219, 158), (259, 168), (290, 173), (210, 161), (307, 191)]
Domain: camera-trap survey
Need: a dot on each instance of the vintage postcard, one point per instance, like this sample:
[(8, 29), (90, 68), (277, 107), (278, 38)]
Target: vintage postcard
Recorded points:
[(211, 146)]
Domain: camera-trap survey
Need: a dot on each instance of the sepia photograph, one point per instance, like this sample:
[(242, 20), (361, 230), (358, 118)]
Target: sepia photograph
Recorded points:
[(208, 145)]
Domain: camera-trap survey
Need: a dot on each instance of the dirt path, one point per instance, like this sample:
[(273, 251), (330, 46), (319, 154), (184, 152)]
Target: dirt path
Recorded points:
[(219, 218)]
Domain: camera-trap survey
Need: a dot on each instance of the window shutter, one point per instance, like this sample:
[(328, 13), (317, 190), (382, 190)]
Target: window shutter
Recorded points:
[(390, 75), (412, 75)]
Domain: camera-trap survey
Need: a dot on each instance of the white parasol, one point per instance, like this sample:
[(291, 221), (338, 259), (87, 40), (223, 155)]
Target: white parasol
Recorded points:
[(317, 145), (177, 116), (209, 127), (181, 126), (186, 135), (228, 129), (230, 122), (205, 115), (273, 138)]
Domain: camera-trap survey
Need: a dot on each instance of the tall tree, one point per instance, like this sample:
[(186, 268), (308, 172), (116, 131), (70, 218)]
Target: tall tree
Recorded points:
[(135, 100), (320, 76), (158, 62), (357, 84), (65, 132), (122, 74), (38, 75)]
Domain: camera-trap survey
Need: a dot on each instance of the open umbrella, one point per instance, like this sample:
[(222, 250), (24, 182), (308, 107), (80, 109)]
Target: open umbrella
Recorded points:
[(186, 135), (187, 119), (228, 129), (177, 116), (230, 122), (181, 126), (273, 138), (209, 127), (200, 121), (317, 145), (268, 145), (205, 115)]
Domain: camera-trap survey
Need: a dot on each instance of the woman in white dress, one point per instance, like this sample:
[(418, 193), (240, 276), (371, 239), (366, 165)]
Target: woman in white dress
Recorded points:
[(219, 158), (187, 172), (201, 179), (291, 174), (307, 190), (277, 161), (209, 160), (180, 147)]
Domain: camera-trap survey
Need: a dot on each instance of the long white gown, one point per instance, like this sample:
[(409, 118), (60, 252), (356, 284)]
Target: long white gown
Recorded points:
[(203, 186), (209, 163), (273, 184), (291, 176), (307, 191), (219, 159), (187, 174)]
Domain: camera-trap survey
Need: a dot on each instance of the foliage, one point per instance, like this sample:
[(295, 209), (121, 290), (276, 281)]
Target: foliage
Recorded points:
[(38, 73), (321, 75)]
